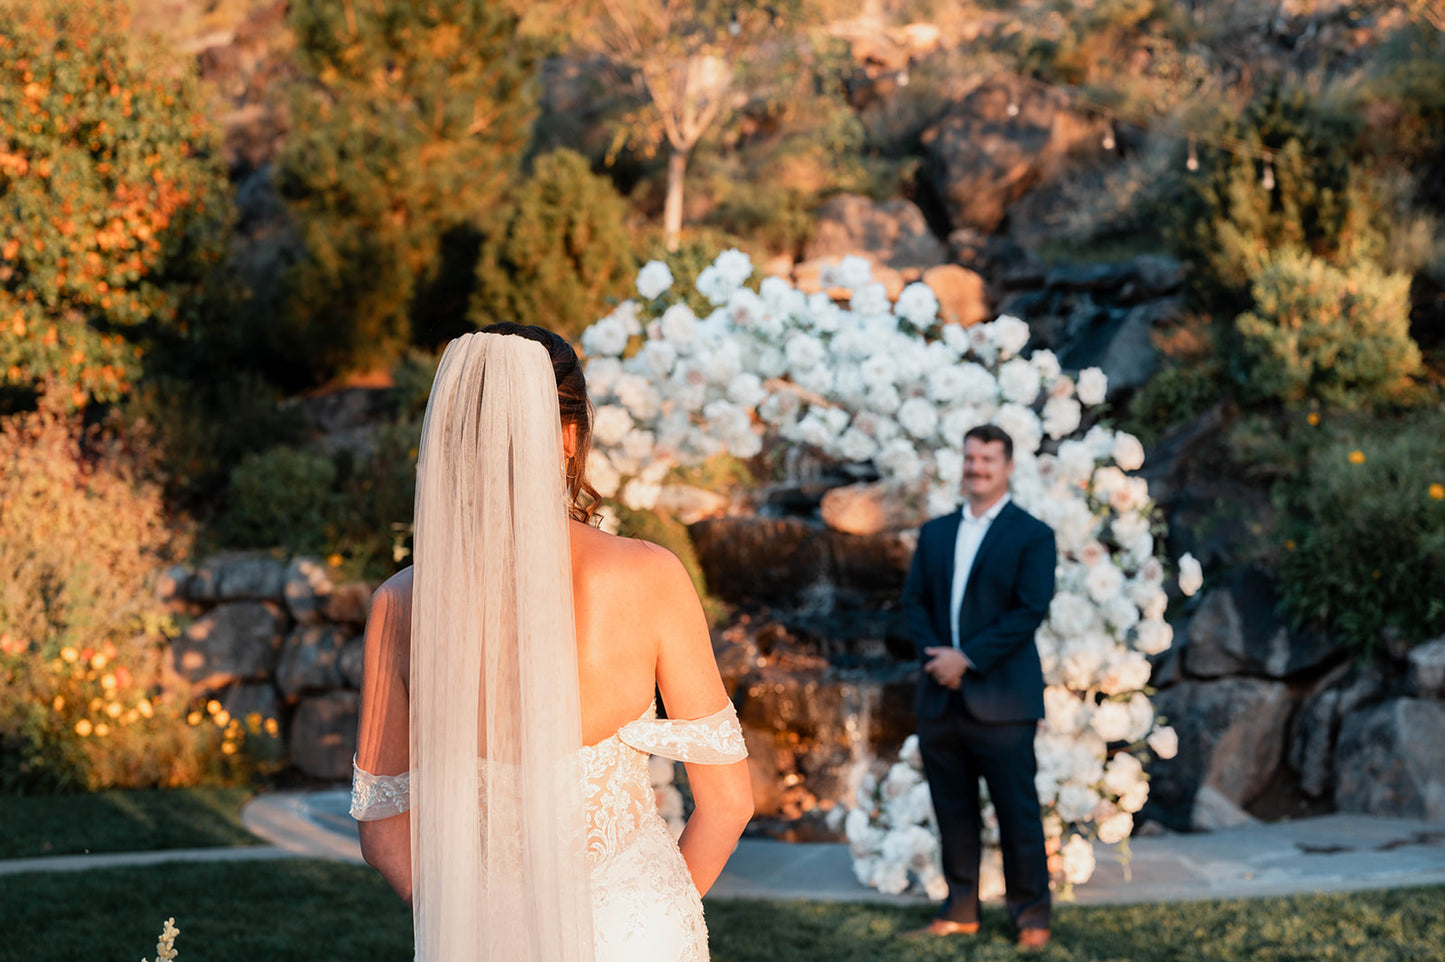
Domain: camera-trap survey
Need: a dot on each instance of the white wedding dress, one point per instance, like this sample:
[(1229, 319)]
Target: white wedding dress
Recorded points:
[(645, 907)]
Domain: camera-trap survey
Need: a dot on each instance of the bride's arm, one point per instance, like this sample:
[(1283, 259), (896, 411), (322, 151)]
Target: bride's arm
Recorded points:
[(691, 687), (383, 740)]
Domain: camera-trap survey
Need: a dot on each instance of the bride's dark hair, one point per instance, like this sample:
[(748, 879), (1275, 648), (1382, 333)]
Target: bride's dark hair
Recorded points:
[(575, 408)]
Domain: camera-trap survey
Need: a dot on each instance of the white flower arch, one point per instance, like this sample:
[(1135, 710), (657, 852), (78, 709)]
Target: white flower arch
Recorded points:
[(887, 383)]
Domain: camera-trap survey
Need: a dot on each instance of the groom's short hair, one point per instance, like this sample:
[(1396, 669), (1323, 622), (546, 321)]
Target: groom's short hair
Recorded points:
[(989, 433)]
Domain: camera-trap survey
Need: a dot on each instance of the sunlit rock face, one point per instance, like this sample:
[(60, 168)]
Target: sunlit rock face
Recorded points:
[(815, 658)]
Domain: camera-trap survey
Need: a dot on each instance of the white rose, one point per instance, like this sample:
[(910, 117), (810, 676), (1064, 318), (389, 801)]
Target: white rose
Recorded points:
[(1061, 416), (818, 379), (606, 338), (1092, 387), (1022, 425), (640, 495), (1063, 711), (610, 424), (602, 373), (880, 370), (981, 344), (899, 460), (917, 305), (1153, 636), (883, 400), (654, 278), (1129, 673), (958, 421), (1141, 717), (804, 351), (657, 359), (1121, 614), (638, 394), (1076, 802), (733, 266), (1127, 527), (918, 417), (638, 445), (854, 445), (1047, 364), (1164, 742), (945, 384), (949, 465), (955, 338), (1103, 582), (1111, 721), (1115, 828), (1134, 798), (679, 325), (1191, 575), (1130, 496), (1078, 860), (870, 300), (1009, 335), (1123, 772), (1128, 452), (746, 391), (1076, 463), (851, 272), (1018, 381), (601, 473)]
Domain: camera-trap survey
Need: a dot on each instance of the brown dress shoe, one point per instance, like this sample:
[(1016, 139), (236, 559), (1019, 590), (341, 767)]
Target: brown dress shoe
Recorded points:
[(946, 927), (1033, 939)]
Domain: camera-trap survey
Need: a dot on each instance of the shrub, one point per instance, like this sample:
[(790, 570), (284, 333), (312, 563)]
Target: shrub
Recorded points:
[(82, 637), (560, 252), (1339, 336), (1366, 548), (1229, 219), (282, 496), (113, 202)]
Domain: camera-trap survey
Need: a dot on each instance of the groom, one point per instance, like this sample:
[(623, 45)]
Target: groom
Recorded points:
[(980, 585)]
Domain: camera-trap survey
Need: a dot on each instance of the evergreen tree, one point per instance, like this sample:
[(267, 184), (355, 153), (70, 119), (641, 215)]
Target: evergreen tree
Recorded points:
[(405, 135)]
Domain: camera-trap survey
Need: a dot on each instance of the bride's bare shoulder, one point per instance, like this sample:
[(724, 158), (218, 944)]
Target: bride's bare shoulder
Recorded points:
[(608, 556), (393, 596)]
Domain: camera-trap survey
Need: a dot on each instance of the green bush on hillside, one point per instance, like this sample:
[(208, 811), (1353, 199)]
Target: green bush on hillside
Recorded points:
[(114, 208), (1318, 333), (559, 254), (1366, 548), (281, 496)]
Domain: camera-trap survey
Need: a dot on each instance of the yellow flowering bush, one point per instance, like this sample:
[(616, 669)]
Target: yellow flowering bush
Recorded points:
[(88, 703)]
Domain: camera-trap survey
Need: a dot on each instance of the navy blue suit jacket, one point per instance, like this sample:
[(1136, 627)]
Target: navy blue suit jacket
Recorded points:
[(1005, 600)]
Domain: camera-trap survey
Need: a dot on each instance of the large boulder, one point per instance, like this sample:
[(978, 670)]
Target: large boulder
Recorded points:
[(310, 660), (868, 508), (1237, 630), (245, 700), (236, 577), (349, 604), (323, 734), (352, 661), (1427, 669), (891, 233), (1001, 140), (1231, 737), (760, 559), (1316, 725), (1391, 760), (307, 586), (962, 297), (237, 641), (1120, 343)]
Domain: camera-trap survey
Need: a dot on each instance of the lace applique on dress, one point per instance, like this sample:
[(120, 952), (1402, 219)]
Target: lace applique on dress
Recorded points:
[(714, 740), (378, 796)]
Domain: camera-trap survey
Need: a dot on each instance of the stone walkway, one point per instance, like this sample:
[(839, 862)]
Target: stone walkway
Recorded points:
[(1333, 853)]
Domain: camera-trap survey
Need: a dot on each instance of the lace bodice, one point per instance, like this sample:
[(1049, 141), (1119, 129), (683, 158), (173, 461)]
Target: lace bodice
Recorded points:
[(618, 791)]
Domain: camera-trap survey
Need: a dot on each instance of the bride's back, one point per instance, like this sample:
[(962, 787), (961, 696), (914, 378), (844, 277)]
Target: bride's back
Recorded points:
[(634, 605)]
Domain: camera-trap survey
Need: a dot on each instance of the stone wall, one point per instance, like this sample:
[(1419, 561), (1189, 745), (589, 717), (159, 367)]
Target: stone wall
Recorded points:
[(282, 637)]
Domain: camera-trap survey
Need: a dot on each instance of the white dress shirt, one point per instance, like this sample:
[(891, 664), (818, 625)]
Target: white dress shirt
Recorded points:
[(971, 530)]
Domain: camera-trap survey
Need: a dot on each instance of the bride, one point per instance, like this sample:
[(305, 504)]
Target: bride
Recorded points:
[(508, 696)]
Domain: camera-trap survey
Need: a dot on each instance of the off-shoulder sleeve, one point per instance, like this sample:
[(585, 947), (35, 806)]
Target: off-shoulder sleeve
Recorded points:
[(378, 796), (714, 740)]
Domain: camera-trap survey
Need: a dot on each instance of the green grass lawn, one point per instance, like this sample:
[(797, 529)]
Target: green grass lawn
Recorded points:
[(313, 910), (122, 821)]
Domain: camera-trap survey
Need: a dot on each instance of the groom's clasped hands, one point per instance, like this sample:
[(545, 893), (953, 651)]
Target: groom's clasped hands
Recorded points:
[(947, 666)]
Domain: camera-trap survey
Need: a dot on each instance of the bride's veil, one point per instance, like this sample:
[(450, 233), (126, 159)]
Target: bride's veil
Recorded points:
[(498, 820)]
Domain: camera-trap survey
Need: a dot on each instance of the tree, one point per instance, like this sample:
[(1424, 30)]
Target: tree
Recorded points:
[(114, 208), (559, 253), (686, 53), (407, 132)]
